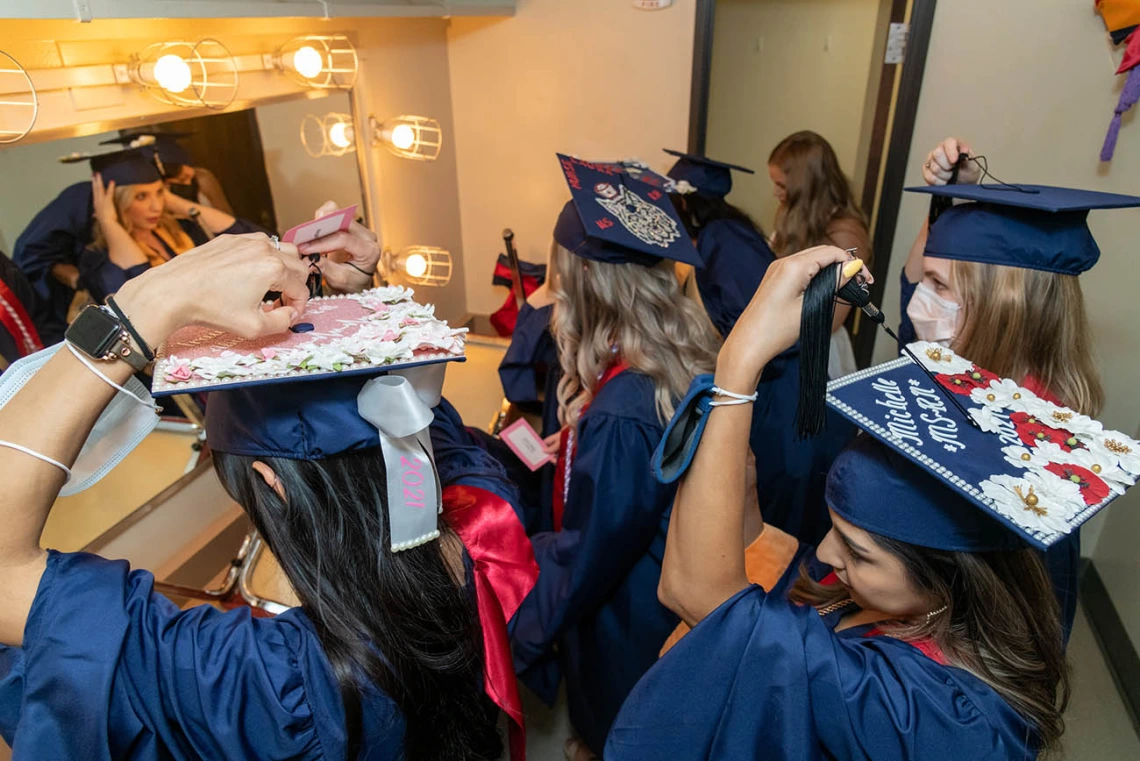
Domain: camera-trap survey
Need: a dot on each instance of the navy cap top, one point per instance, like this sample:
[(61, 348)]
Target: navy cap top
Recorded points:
[(129, 167), (615, 218), (1028, 226), (711, 178), (162, 146)]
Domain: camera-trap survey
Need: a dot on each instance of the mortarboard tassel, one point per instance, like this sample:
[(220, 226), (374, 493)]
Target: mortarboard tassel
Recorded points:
[(815, 346), (1128, 98)]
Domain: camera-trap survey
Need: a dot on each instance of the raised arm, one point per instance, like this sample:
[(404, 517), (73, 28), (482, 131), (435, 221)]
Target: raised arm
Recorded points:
[(214, 220), (704, 557), (220, 284), (937, 170), (122, 250)]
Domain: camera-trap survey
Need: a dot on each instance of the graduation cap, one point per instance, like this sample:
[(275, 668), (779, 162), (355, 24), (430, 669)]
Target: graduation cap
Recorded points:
[(126, 167), (163, 147), (366, 376), (1032, 472), (711, 178), (1029, 226), (613, 217)]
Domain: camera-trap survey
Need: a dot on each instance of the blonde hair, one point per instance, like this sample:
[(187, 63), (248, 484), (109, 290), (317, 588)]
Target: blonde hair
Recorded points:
[(1022, 322), (168, 223), (638, 311)]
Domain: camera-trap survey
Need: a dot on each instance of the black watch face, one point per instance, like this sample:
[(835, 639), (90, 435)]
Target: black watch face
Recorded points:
[(94, 331)]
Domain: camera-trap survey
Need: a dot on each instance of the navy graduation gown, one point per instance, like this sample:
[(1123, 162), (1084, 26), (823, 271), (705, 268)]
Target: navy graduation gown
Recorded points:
[(111, 669), (734, 259), (531, 360), (762, 678), (101, 277), (594, 614), (56, 235)]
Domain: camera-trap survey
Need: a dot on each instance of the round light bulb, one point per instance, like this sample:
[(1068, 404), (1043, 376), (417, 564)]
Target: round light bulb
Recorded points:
[(416, 265), (308, 62), (403, 136), (172, 73), (340, 135)]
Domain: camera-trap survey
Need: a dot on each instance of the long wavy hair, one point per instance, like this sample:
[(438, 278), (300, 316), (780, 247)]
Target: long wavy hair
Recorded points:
[(1002, 623), (636, 311), (168, 223), (818, 193), (1019, 322), (401, 621)]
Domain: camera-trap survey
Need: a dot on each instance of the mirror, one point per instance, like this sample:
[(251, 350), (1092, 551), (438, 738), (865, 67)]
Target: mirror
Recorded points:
[(250, 162)]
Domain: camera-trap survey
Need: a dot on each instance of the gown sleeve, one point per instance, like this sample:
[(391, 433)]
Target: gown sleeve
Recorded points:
[(461, 461), (762, 678), (733, 262), (111, 669), (906, 327), (530, 351), (612, 514), (101, 277)]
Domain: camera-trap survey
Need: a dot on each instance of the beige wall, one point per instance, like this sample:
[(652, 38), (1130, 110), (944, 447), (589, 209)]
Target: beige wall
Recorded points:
[(1037, 105), (595, 78), (299, 182), (780, 66)]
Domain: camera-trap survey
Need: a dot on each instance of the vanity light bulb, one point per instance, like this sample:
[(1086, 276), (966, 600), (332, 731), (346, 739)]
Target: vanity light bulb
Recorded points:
[(416, 265), (172, 73), (341, 135), (403, 136), (308, 62)]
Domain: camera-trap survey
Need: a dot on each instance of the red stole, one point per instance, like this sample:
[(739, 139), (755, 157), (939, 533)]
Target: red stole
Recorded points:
[(567, 446), (15, 319), (505, 572)]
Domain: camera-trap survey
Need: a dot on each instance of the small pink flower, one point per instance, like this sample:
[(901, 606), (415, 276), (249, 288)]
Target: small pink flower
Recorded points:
[(268, 353), (179, 373), (390, 335), (408, 322), (382, 308)]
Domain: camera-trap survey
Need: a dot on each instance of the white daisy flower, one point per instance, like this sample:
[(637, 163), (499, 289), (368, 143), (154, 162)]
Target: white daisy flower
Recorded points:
[(1020, 457), (939, 359), (985, 417), (1099, 463), (1116, 446), (1005, 394), (1064, 418), (1037, 501)]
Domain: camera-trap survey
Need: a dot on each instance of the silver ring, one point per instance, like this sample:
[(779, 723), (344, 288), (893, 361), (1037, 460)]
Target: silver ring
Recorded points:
[(276, 242)]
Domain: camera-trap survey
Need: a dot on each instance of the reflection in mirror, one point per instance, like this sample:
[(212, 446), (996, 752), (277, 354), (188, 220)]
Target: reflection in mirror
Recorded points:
[(230, 172)]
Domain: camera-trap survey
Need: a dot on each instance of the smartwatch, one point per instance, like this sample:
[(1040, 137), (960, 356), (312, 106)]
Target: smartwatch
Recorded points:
[(100, 335)]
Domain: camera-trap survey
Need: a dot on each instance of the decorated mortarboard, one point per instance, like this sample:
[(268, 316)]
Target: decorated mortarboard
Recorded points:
[(613, 217), (126, 167), (1029, 468), (1029, 226), (163, 147), (366, 376), (711, 178)]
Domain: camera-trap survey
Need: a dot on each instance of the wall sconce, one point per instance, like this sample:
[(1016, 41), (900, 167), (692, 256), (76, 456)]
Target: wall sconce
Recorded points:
[(19, 105), (322, 62), (328, 135), (411, 137), (187, 74), (419, 265)]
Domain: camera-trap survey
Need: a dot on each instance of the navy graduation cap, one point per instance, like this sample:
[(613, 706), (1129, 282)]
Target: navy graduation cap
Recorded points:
[(162, 147), (711, 178), (613, 217), (1029, 226), (127, 167)]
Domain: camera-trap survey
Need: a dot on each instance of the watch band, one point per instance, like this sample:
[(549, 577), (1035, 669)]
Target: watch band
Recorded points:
[(146, 350), (125, 351)]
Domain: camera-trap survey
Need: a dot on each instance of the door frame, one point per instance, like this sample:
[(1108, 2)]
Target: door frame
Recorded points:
[(897, 143)]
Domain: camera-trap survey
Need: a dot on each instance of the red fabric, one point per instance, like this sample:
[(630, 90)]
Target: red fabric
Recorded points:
[(1032, 384), (1093, 489), (505, 572), (16, 320), (1031, 430), (927, 647), (505, 317), (1131, 54), (964, 383), (566, 449)]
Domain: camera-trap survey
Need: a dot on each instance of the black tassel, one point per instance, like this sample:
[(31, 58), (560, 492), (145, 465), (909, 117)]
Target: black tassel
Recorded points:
[(815, 348)]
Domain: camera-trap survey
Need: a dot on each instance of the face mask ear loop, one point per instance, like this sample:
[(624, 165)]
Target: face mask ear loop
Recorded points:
[(110, 382)]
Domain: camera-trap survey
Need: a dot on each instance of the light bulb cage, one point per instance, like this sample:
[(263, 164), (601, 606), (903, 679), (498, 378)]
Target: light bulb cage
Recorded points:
[(213, 73), (437, 271), (19, 103), (427, 136), (316, 134), (339, 63)]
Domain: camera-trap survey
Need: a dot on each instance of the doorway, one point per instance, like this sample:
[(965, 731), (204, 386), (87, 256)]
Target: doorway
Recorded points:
[(763, 69)]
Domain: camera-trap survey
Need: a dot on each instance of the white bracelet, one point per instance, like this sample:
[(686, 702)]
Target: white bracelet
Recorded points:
[(734, 398), (107, 380), (38, 456)]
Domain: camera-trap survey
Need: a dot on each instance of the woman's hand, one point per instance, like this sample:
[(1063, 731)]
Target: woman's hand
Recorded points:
[(177, 205), (220, 284), (771, 322), (360, 254), (940, 162), (103, 199)]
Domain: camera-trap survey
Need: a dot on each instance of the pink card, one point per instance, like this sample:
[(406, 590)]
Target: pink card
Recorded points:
[(319, 228), (520, 437)]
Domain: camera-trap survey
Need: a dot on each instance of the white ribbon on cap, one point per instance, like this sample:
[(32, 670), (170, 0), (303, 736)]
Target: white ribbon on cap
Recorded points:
[(399, 405)]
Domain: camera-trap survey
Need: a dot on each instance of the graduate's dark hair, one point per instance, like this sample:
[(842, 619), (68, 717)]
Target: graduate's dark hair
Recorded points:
[(697, 211), (404, 621), (1002, 623)]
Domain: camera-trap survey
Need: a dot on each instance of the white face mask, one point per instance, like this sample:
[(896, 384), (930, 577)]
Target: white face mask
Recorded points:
[(123, 425), (935, 318)]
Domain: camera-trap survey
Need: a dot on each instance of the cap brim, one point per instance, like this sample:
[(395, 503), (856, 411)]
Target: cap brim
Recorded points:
[(710, 162), (1040, 197)]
